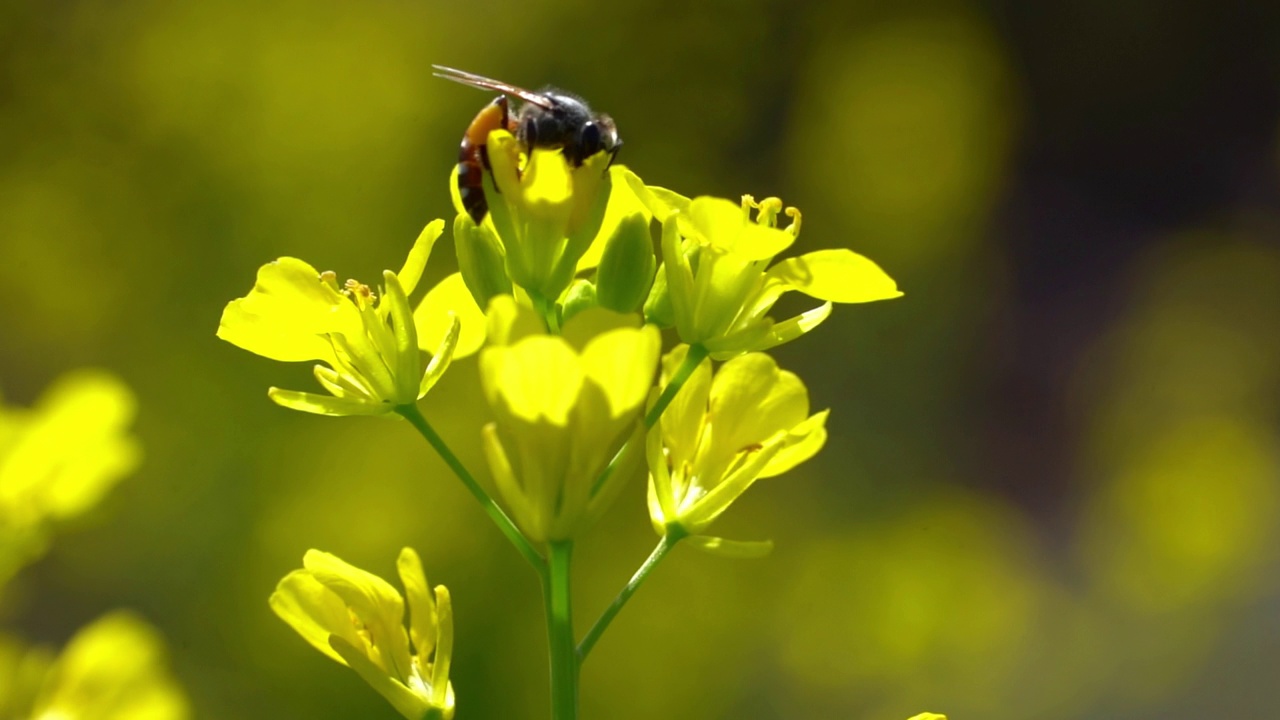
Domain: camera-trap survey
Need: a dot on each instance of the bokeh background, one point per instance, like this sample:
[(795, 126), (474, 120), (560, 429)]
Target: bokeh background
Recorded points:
[(1052, 488)]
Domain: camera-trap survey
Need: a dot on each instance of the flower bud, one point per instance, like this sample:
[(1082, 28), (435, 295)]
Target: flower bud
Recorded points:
[(627, 266), (582, 295), (481, 260)]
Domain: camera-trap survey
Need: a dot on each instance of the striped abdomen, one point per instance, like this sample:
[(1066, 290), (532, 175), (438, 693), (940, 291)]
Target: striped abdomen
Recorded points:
[(473, 159)]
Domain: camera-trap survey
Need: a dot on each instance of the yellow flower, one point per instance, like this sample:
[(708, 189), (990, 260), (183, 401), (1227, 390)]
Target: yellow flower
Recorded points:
[(357, 618), (59, 458), (484, 264), (719, 436), (114, 669), (369, 345), (718, 282), (564, 404), (546, 211), (928, 716)]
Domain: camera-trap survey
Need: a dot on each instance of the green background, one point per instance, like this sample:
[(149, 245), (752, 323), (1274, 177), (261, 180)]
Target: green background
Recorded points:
[(1052, 487)]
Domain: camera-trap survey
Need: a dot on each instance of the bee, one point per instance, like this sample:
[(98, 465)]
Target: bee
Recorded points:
[(549, 118)]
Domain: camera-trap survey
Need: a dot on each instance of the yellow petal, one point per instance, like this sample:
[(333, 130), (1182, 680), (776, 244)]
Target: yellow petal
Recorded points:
[(406, 702), (804, 441), (433, 318), (421, 604), (441, 359), (411, 272), (622, 362), (537, 378), (836, 275), (441, 691), (313, 611), (287, 314), (721, 223), (374, 601)]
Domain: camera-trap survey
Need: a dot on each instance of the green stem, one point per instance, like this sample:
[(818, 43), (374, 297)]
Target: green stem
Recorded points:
[(692, 359), (665, 545), (564, 658), (547, 309), (414, 416), (696, 355)]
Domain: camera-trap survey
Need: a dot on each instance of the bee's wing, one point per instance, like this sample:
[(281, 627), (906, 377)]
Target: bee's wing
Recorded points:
[(484, 83)]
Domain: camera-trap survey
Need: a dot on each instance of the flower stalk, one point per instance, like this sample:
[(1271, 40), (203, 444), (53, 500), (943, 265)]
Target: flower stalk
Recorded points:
[(564, 655), (491, 508), (664, 546)]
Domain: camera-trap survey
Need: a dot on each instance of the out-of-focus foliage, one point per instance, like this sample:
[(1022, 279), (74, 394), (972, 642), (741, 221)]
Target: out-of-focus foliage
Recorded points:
[(1050, 484)]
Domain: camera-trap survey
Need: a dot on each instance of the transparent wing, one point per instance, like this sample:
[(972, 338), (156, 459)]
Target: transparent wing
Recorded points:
[(484, 83)]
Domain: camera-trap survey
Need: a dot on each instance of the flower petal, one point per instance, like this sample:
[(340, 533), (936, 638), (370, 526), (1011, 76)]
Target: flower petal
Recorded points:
[(313, 611), (803, 442), (404, 700), (441, 359), (441, 692), (411, 272), (287, 314), (751, 399), (621, 363), (537, 378), (419, 602), (435, 315), (721, 223), (374, 601), (840, 275)]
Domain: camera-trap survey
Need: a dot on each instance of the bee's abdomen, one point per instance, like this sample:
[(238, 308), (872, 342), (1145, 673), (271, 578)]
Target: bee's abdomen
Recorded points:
[(472, 157)]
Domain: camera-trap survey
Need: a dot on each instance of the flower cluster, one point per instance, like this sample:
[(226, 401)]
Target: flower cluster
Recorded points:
[(564, 289)]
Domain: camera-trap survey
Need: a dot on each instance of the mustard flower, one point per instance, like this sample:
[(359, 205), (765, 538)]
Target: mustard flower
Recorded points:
[(545, 211), (485, 260), (113, 669), (564, 406), (720, 434), (718, 281), (368, 345), (59, 458), (357, 619)]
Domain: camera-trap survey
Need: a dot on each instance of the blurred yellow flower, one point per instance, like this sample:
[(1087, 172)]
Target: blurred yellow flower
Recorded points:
[(717, 278), (928, 716), (565, 404), (719, 435), (357, 618), (114, 669), (369, 346), (59, 458)]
